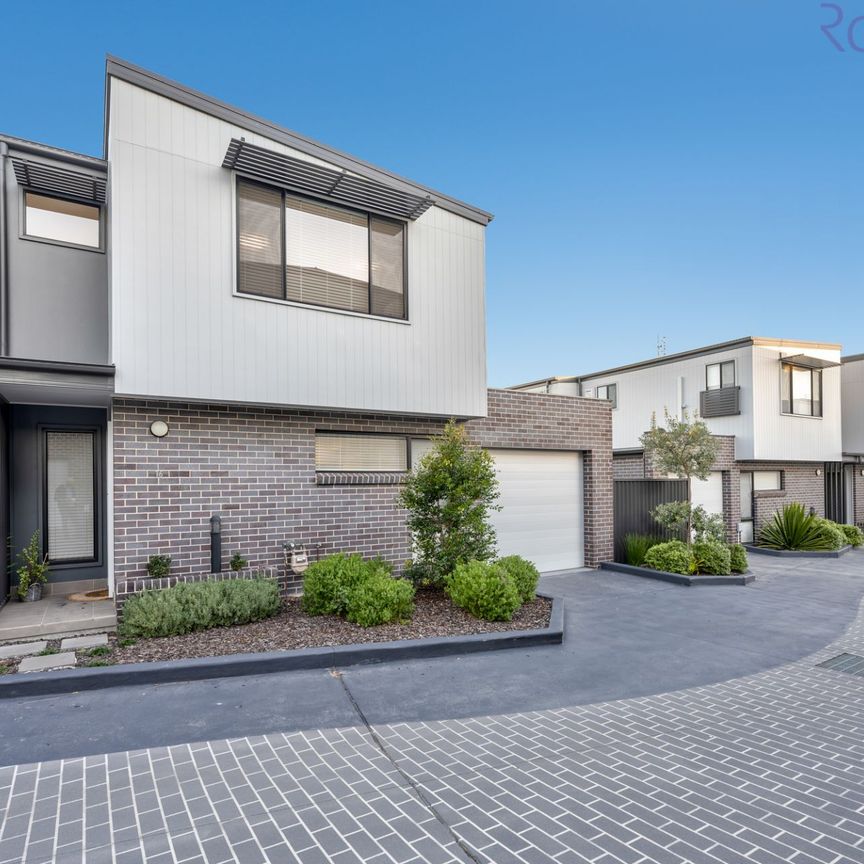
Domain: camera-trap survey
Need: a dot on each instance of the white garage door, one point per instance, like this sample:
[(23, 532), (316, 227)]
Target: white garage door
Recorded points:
[(708, 493), (541, 501)]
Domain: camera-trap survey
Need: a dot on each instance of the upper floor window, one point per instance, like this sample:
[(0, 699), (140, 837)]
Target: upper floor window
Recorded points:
[(61, 220), (800, 390), (608, 391), (720, 375), (305, 251)]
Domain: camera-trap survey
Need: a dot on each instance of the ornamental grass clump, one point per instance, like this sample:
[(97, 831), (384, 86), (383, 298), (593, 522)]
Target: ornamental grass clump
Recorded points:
[(193, 606), (794, 529), (636, 547)]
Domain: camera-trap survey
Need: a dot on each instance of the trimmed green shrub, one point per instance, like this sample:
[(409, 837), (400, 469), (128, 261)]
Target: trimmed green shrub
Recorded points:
[(237, 562), (795, 529), (671, 557), (484, 590), (711, 558), (158, 566), (523, 573), (422, 574), (833, 534), (854, 535), (327, 583), (737, 558), (380, 599), (198, 606), (636, 546)]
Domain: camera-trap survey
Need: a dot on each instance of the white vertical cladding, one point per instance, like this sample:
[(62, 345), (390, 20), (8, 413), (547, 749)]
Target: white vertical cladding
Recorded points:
[(180, 332), (852, 386), (780, 436), (652, 390)]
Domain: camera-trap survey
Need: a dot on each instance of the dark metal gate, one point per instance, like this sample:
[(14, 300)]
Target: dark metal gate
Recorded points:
[(835, 493), (633, 502)]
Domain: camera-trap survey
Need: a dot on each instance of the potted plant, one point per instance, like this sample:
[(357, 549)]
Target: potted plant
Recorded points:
[(32, 570)]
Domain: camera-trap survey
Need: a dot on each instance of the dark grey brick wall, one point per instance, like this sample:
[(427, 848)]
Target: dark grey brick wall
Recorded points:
[(628, 467), (255, 466)]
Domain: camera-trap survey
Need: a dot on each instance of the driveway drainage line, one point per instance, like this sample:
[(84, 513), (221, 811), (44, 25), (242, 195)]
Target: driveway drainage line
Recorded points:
[(415, 788)]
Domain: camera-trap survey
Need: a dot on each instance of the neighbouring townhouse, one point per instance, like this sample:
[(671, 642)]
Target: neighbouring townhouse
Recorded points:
[(775, 406), (852, 384), (223, 317)]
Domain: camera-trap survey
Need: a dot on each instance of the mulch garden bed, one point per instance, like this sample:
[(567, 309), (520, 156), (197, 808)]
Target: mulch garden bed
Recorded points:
[(434, 615)]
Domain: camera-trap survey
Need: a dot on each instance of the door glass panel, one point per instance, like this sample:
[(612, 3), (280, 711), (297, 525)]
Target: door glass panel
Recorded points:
[(746, 495), (70, 497)]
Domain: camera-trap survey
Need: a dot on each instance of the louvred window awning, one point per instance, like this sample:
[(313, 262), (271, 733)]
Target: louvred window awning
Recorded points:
[(330, 184), (53, 180), (807, 362)]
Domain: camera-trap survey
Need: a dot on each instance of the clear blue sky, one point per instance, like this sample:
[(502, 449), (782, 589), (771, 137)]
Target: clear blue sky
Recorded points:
[(685, 168)]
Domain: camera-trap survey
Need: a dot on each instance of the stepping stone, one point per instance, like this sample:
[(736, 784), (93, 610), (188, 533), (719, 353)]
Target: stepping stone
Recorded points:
[(65, 660), (71, 643), (22, 649)]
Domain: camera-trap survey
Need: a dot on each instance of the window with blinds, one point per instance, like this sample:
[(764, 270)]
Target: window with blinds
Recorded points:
[(305, 251), (346, 452), (70, 496)]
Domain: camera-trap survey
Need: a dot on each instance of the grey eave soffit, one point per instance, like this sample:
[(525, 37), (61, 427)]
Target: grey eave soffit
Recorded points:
[(125, 71), (808, 362), (298, 175), (58, 180)]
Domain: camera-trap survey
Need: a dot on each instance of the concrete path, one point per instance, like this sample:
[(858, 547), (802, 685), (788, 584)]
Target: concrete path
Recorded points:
[(765, 768), (625, 637)]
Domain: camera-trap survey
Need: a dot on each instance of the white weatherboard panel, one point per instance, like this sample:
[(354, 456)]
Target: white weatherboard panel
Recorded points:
[(541, 501), (179, 332), (852, 375), (708, 493), (653, 390)]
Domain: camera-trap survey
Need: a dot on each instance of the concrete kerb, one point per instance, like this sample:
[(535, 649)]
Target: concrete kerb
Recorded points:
[(794, 553), (232, 665), (678, 578)]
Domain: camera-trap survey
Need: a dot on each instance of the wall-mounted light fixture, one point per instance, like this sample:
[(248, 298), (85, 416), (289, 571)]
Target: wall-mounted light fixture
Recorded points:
[(862, 472), (159, 428), (818, 472)]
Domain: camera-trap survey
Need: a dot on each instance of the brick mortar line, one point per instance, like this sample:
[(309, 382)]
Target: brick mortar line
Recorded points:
[(412, 784)]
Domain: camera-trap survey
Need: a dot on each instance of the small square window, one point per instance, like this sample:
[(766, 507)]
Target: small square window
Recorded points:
[(718, 376), (61, 220), (608, 391)]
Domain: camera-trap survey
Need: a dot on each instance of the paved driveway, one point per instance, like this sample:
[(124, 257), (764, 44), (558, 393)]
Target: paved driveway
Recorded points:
[(625, 637), (767, 767)]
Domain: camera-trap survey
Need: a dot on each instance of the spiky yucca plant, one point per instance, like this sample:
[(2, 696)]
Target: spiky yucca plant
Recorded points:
[(795, 529)]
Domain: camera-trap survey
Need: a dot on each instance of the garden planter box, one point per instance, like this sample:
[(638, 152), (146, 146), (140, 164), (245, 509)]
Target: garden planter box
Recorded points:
[(794, 553), (678, 578)]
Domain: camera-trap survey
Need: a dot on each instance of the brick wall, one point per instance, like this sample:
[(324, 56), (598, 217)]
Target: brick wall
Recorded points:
[(542, 421), (629, 466), (858, 487), (255, 467), (800, 483)]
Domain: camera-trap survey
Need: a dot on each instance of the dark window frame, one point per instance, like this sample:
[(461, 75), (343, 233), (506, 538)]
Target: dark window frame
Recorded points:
[(612, 399), (813, 372), (36, 238), (282, 240), (366, 434), (720, 364), (94, 432)]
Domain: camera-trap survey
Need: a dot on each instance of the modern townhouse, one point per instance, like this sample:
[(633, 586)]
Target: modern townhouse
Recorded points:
[(224, 317), (852, 384), (774, 404)]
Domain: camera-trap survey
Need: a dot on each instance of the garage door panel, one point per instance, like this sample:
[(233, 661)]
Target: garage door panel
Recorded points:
[(541, 507)]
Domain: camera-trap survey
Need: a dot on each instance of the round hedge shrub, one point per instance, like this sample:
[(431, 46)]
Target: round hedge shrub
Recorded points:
[(380, 599), (327, 583), (671, 557), (854, 535), (523, 573), (738, 558), (711, 558), (484, 590), (833, 534)]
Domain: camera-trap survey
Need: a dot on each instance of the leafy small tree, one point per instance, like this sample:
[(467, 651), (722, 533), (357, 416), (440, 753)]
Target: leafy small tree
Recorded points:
[(685, 448), (449, 498)]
